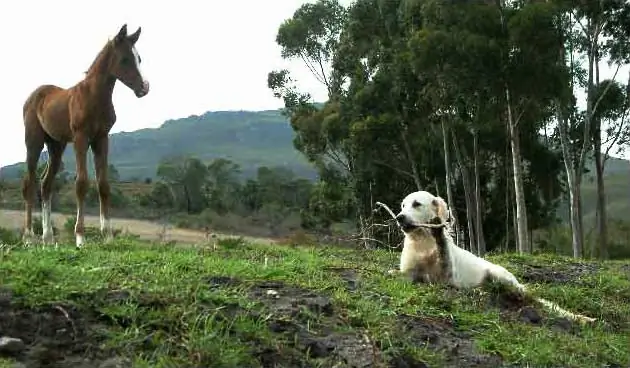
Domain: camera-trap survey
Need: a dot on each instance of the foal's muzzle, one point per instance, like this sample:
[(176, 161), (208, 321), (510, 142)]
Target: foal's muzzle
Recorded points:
[(143, 91)]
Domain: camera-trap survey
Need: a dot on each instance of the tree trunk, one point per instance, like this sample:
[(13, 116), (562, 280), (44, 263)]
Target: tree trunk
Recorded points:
[(602, 229), (188, 201), (449, 190), (481, 242), (524, 245), (573, 181), (470, 214), (510, 197), (412, 162), (602, 216)]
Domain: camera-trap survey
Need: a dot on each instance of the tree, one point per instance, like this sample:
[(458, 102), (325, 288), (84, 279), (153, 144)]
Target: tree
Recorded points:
[(485, 70), (185, 176), (223, 185), (312, 34), (408, 74), (585, 27)]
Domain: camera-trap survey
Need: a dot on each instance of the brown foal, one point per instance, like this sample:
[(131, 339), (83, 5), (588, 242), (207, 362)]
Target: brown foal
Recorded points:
[(82, 114)]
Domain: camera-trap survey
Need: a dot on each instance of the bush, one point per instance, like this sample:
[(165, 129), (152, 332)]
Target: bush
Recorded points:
[(8, 236)]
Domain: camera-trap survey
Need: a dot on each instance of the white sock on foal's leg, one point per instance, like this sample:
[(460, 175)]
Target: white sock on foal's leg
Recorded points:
[(106, 228), (47, 228)]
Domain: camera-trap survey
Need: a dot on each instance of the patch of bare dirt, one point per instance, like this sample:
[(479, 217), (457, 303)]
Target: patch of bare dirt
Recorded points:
[(310, 323), (441, 334), (562, 275), (50, 336)]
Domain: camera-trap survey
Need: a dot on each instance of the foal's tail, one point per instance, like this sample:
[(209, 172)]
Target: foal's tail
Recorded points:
[(565, 313)]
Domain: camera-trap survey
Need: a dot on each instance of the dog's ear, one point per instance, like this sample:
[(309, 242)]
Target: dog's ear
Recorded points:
[(440, 208)]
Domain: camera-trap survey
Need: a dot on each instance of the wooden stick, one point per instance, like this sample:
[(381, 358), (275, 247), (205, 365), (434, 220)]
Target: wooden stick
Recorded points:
[(391, 213)]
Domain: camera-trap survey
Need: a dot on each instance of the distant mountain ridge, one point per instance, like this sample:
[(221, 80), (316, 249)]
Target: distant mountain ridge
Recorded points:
[(265, 138), (249, 138)]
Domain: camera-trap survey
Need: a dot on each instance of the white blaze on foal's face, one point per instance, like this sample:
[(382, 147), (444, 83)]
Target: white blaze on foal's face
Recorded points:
[(138, 60), (420, 208)]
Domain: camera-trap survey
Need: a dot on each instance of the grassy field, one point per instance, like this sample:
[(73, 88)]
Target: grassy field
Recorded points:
[(146, 230), (239, 304)]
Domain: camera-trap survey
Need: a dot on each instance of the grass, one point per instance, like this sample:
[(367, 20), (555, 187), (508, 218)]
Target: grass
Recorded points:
[(250, 305)]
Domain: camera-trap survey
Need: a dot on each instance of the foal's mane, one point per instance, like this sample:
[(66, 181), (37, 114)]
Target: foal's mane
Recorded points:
[(100, 56)]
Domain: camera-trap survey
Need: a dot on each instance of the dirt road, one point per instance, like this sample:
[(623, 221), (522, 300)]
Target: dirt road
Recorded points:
[(148, 230)]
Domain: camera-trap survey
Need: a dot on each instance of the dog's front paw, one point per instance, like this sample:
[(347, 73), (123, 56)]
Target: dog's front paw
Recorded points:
[(393, 272)]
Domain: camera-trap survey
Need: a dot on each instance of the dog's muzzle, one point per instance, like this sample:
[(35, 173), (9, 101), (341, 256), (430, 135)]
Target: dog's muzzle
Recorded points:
[(404, 222)]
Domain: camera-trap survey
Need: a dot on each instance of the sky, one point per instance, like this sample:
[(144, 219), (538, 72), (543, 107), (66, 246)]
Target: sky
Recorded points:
[(197, 55)]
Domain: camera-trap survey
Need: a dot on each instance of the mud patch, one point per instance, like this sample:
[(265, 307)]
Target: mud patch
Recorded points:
[(53, 335), (440, 334), (564, 274), (309, 320), (515, 306)]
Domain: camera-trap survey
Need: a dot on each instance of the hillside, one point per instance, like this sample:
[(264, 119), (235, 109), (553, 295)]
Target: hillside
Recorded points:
[(256, 305), (250, 138)]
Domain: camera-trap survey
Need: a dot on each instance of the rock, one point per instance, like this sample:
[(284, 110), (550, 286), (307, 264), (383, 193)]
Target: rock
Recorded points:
[(11, 345), (320, 305)]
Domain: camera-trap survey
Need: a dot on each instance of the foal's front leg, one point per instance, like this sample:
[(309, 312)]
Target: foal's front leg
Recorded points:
[(100, 148)]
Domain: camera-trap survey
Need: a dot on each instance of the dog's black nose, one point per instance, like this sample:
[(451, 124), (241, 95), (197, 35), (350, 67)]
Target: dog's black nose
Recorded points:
[(400, 218)]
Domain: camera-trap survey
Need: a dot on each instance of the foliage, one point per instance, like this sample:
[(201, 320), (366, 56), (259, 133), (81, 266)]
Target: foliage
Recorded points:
[(409, 66), (215, 190)]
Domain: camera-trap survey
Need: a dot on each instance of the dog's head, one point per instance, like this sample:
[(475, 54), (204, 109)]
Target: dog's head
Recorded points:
[(421, 208)]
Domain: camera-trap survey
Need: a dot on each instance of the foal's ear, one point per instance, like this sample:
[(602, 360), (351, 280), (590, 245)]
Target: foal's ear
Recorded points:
[(133, 38), (122, 34)]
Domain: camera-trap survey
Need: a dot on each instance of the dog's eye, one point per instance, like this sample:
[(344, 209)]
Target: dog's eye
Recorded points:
[(415, 204)]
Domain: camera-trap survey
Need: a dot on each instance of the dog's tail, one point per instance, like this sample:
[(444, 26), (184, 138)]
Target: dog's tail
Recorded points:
[(565, 313)]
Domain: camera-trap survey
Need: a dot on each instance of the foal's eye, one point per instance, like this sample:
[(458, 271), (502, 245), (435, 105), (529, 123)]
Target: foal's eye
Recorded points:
[(415, 204)]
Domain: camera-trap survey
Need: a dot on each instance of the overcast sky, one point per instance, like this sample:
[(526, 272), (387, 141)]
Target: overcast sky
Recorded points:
[(197, 55)]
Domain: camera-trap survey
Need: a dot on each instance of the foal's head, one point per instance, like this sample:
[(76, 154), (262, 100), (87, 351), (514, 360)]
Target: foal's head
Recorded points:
[(125, 62)]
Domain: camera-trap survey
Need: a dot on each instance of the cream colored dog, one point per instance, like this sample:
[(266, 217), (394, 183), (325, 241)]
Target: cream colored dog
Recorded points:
[(430, 254)]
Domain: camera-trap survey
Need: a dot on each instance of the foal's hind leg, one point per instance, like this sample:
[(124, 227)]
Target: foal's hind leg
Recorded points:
[(55, 151), (100, 148), (81, 184), (34, 141)]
